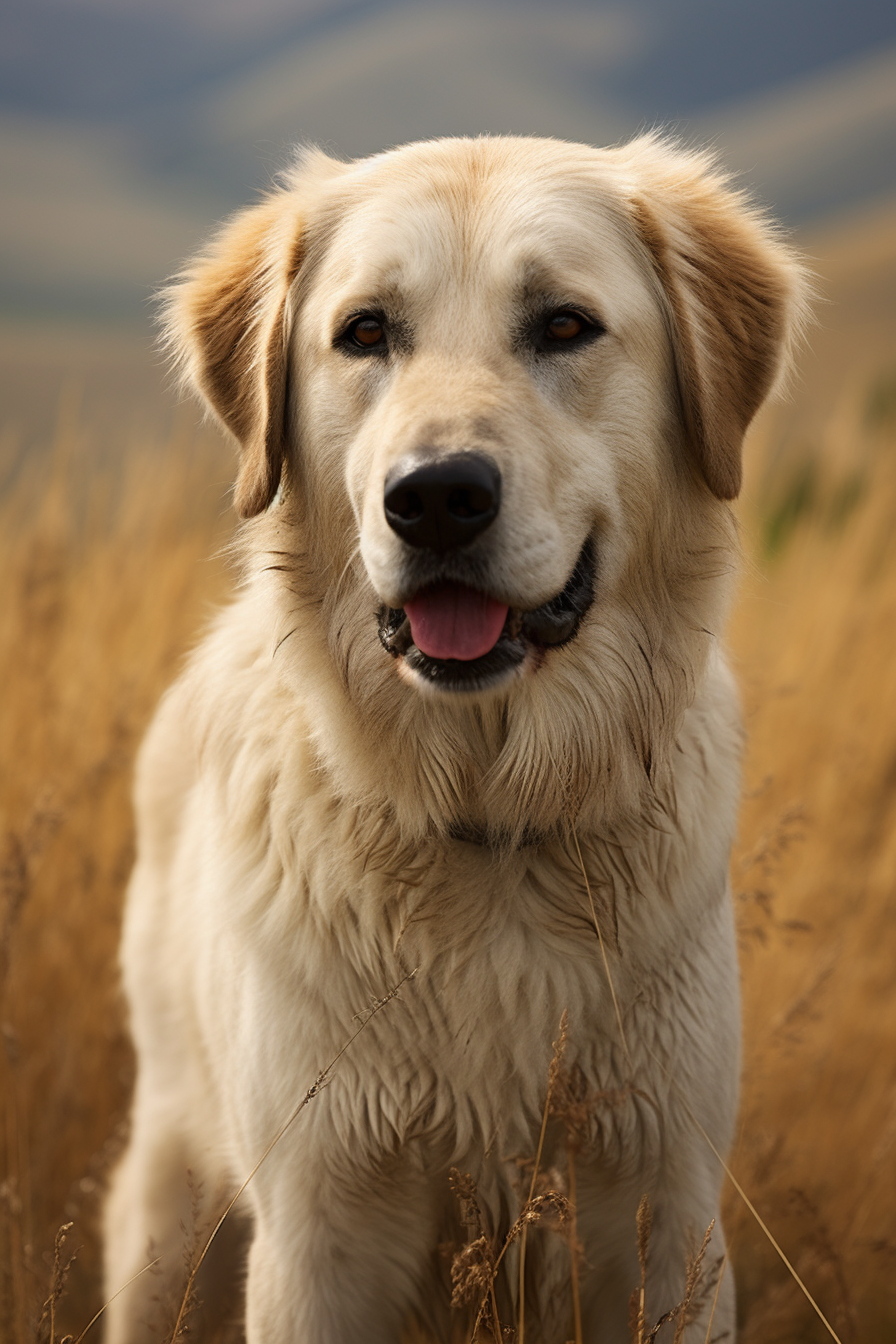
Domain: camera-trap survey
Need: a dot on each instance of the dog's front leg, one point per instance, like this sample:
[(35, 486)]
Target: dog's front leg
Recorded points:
[(340, 1247), (677, 1216), (682, 1213)]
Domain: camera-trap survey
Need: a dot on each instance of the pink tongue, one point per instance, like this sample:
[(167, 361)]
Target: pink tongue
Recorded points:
[(451, 621)]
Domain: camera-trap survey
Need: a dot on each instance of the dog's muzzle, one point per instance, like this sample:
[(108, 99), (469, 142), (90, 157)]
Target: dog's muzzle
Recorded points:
[(520, 634)]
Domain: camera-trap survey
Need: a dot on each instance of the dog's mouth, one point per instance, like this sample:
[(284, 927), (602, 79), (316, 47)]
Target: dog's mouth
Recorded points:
[(460, 639)]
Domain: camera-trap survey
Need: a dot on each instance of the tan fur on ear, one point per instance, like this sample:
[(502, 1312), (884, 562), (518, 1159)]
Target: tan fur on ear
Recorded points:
[(225, 317), (736, 293)]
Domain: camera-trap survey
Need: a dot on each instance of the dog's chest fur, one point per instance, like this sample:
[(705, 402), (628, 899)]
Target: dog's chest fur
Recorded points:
[(327, 917)]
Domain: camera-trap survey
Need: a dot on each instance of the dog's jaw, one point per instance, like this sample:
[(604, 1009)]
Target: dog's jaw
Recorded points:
[(521, 646)]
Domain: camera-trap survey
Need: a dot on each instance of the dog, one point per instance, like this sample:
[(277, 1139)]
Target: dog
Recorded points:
[(466, 729)]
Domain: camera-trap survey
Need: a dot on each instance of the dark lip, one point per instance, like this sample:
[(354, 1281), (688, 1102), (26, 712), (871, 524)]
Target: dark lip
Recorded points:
[(549, 626)]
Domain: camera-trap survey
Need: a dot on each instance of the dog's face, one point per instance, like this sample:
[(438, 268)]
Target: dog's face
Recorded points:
[(496, 376), (513, 377)]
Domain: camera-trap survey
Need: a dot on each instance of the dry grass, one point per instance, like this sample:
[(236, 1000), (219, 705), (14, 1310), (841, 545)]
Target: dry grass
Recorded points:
[(814, 639), (105, 584), (103, 590)]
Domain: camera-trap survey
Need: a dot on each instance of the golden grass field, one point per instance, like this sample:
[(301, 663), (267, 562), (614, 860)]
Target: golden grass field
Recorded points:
[(106, 581)]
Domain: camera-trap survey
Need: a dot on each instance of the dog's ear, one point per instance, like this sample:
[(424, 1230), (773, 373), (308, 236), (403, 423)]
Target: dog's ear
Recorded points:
[(736, 296), (226, 318)]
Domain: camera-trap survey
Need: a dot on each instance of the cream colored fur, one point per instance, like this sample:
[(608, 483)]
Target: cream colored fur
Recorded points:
[(313, 823)]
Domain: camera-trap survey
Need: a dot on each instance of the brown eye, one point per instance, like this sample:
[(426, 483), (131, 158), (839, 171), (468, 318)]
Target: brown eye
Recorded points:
[(565, 327), (366, 332)]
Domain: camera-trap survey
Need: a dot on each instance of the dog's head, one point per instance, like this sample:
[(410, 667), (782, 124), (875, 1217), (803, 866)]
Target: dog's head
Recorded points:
[(495, 393)]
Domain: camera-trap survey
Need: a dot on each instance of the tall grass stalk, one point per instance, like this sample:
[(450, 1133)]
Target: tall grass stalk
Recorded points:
[(559, 1047)]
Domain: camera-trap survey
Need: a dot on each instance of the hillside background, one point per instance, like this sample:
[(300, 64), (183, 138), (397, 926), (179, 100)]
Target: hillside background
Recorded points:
[(127, 128)]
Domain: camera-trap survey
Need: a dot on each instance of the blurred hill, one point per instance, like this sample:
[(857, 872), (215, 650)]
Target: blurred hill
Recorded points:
[(852, 342), (128, 127)]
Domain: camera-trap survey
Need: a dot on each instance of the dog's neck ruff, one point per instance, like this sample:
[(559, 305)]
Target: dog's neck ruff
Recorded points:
[(476, 833)]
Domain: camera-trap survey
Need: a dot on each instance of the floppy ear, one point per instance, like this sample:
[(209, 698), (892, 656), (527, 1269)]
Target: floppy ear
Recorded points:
[(736, 296), (226, 320)]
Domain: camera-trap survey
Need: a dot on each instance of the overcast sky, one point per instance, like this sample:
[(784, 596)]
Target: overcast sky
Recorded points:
[(117, 56)]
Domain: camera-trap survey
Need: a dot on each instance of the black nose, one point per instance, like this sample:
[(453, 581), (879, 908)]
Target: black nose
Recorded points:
[(443, 504)]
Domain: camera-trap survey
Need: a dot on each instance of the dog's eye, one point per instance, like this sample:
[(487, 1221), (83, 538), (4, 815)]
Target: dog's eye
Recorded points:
[(365, 333), (565, 328)]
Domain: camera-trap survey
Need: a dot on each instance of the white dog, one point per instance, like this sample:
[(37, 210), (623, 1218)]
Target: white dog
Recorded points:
[(490, 397)]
